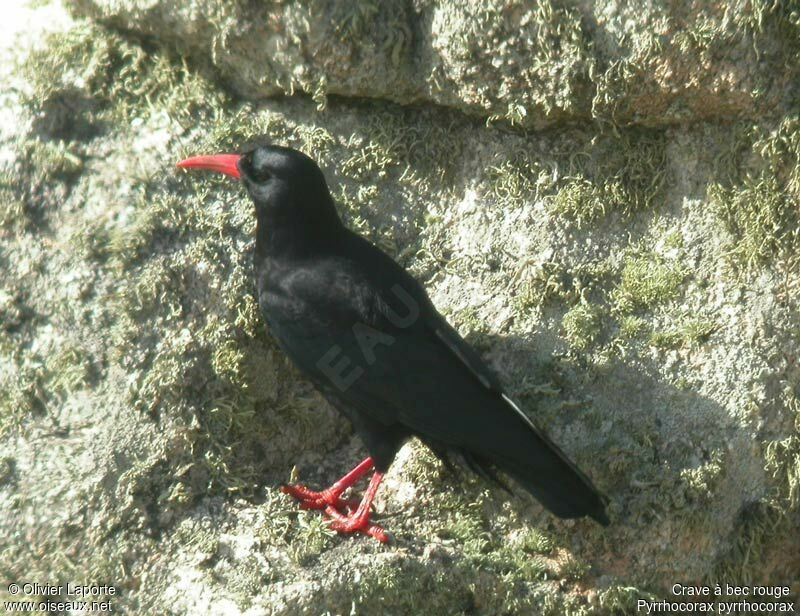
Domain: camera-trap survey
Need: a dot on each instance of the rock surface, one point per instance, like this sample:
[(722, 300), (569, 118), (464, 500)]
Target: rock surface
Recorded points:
[(533, 64), (620, 241)]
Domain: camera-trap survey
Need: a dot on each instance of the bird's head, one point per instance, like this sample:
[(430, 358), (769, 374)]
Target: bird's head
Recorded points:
[(281, 181)]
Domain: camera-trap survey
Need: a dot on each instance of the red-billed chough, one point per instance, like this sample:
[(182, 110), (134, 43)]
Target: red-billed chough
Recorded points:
[(367, 335)]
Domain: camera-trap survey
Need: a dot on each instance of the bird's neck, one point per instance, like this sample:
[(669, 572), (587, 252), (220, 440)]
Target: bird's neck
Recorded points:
[(292, 233)]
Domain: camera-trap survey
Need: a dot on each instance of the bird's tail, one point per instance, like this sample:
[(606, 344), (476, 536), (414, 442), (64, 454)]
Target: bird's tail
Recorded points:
[(537, 463)]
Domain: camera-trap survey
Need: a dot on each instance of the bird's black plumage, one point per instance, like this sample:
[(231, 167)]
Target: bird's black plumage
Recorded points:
[(366, 333)]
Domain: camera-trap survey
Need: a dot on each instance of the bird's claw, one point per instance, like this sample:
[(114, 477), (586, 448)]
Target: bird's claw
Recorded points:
[(311, 499), (341, 511), (347, 516), (355, 523)]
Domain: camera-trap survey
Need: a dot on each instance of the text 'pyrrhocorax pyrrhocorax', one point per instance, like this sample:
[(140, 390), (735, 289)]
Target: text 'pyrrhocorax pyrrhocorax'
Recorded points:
[(366, 334)]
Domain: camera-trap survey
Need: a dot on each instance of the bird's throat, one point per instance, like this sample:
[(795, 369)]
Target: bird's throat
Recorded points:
[(294, 236)]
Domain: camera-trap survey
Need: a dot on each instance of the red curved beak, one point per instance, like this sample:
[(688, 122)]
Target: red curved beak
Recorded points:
[(222, 163)]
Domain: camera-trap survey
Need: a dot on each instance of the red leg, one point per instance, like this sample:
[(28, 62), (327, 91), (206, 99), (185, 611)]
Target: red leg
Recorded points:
[(309, 499), (358, 520)]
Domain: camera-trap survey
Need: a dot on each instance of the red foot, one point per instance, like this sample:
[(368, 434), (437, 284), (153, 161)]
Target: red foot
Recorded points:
[(356, 523), (347, 515), (309, 499)]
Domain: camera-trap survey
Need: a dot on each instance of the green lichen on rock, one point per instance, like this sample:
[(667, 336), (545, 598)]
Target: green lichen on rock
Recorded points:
[(647, 280), (760, 213), (582, 325)]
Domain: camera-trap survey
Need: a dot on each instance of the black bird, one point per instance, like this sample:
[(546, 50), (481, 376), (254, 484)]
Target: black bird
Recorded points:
[(367, 335)]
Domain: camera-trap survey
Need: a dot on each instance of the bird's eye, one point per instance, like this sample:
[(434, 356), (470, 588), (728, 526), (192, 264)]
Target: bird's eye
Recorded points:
[(255, 169), (260, 174)]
